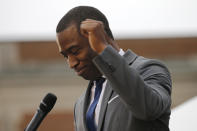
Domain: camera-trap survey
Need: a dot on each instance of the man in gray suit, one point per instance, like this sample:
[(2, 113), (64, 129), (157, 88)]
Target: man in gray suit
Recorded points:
[(134, 94)]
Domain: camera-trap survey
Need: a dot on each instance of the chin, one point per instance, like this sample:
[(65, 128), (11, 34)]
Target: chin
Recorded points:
[(91, 74), (87, 77), (91, 77)]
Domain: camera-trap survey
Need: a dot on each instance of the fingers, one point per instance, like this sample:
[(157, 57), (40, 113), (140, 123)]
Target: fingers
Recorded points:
[(94, 31), (90, 26), (91, 21)]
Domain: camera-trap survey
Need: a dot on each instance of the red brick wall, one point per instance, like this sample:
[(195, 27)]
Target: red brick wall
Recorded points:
[(171, 47), (162, 48)]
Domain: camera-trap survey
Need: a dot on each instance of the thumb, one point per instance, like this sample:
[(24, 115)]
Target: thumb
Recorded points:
[(84, 32)]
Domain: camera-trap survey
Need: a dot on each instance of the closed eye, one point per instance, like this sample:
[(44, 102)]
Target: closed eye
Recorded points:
[(64, 54), (75, 51)]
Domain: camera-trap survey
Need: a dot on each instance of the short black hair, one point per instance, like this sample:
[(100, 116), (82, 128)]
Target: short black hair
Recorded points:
[(78, 14)]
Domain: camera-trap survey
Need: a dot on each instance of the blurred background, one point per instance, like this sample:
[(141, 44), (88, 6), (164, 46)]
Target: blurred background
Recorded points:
[(31, 66)]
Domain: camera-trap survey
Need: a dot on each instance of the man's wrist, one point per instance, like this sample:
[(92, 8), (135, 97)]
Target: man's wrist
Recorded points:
[(101, 48)]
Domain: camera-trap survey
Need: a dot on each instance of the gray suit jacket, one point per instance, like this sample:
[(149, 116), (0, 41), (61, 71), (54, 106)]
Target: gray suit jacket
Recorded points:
[(137, 94)]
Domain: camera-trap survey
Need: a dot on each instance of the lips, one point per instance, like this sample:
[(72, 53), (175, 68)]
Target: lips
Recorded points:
[(81, 70)]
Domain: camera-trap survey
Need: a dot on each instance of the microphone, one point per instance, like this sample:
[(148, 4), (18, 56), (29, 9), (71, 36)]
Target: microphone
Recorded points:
[(45, 107)]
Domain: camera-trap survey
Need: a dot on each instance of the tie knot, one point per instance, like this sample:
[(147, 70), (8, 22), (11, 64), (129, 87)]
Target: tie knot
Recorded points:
[(99, 82)]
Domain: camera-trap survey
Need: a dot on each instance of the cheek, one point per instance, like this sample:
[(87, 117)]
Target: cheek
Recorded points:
[(87, 55), (92, 54)]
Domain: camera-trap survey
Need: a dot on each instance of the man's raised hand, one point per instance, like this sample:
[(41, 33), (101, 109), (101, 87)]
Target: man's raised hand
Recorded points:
[(94, 31)]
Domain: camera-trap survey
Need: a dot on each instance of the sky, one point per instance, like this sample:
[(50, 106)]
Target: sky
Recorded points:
[(27, 20)]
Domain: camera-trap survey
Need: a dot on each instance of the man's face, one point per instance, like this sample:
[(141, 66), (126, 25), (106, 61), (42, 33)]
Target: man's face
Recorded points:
[(76, 49)]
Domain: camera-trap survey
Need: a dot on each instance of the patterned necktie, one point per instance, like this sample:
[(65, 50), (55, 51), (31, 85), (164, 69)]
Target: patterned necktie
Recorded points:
[(90, 114)]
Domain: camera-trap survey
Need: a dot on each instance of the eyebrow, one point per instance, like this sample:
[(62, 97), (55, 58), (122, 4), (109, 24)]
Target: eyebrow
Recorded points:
[(69, 49)]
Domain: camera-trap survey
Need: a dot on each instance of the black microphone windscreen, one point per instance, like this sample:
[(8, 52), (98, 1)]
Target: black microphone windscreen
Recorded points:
[(48, 102)]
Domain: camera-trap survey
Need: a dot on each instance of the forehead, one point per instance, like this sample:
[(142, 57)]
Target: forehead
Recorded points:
[(67, 37)]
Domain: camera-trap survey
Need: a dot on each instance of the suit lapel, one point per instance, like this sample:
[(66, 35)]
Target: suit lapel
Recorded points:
[(85, 103), (107, 94)]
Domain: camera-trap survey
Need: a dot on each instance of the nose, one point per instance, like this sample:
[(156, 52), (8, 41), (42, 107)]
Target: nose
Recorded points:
[(72, 61)]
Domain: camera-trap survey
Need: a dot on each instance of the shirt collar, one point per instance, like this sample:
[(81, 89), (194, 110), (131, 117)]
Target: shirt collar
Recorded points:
[(121, 52)]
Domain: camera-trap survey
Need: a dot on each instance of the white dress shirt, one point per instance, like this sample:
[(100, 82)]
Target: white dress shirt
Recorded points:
[(98, 107)]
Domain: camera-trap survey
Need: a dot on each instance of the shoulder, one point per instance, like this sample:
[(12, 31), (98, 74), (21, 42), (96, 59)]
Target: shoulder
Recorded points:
[(147, 67), (80, 100)]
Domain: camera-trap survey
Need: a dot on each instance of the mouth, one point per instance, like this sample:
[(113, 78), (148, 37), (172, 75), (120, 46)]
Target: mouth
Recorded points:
[(81, 70)]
